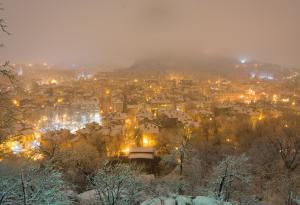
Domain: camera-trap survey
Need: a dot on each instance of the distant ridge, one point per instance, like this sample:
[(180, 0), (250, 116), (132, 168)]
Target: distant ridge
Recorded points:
[(203, 64)]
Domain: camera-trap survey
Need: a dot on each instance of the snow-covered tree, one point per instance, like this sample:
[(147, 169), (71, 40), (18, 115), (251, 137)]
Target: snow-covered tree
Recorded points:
[(284, 136), (7, 84), (32, 185), (230, 175), (116, 185)]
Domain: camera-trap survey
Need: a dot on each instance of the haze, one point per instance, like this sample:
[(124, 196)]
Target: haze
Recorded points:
[(98, 32)]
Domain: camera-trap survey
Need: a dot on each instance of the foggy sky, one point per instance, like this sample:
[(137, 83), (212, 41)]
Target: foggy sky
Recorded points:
[(122, 31)]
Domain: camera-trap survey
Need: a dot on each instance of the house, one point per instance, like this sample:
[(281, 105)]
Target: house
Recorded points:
[(144, 158), (141, 153)]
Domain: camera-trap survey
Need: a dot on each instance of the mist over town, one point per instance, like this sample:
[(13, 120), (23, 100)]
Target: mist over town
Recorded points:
[(150, 102)]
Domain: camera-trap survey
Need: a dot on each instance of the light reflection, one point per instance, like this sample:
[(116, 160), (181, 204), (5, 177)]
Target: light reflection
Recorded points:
[(69, 119), (16, 148)]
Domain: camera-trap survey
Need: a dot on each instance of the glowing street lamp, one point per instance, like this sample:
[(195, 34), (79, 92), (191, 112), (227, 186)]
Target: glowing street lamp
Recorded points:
[(243, 61)]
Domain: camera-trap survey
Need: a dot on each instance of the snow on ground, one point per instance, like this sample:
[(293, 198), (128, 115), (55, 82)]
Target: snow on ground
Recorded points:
[(184, 200), (89, 197), (201, 200)]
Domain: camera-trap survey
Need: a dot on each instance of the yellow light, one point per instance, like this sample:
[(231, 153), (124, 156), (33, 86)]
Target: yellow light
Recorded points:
[(251, 92), (37, 135), (293, 103), (16, 103), (285, 100), (260, 117), (128, 121), (126, 150), (60, 100), (228, 140), (37, 157), (107, 92), (15, 146), (135, 80), (247, 101), (53, 81), (145, 141)]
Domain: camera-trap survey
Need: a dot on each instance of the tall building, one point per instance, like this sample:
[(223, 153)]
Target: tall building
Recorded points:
[(106, 101)]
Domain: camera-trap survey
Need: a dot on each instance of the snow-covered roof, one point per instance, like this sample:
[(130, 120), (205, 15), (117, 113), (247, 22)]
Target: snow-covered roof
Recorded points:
[(141, 156)]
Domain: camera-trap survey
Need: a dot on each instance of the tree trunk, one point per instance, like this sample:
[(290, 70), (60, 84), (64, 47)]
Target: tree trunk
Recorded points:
[(222, 183), (181, 162), (290, 188), (2, 198), (24, 189)]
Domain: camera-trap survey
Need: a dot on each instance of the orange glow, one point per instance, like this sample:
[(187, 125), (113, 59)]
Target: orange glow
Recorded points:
[(37, 157), (148, 141), (260, 117), (228, 140), (128, 122), (60, 100), (126, 150), (16, 103), (24, 145), (275, 98), (37, 135), (145, 141), (251, 92)]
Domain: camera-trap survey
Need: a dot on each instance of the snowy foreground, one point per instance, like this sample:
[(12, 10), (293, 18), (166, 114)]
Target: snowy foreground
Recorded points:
[(184, 200), (90, 196)]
